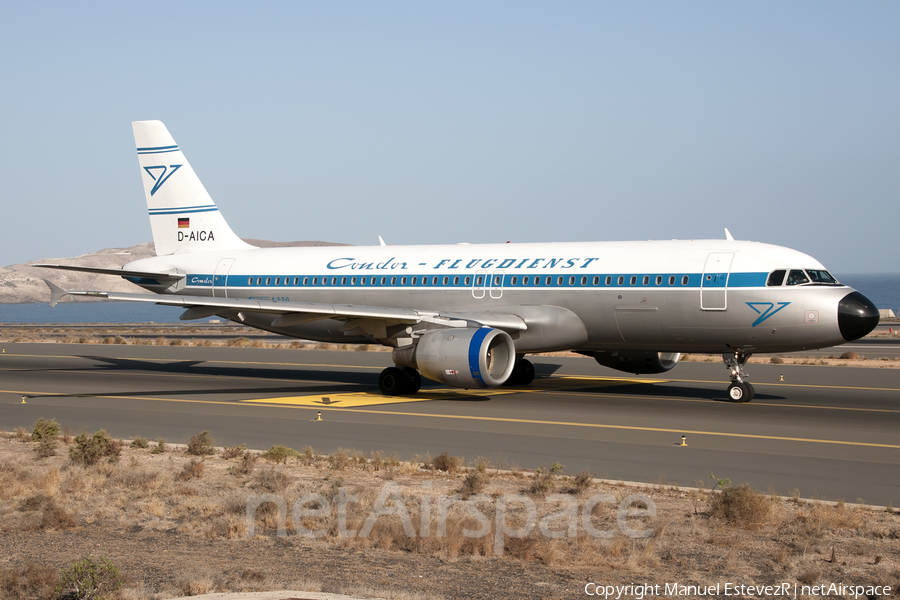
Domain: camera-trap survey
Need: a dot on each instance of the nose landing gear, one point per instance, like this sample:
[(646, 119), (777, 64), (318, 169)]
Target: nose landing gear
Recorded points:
[(739, 390)]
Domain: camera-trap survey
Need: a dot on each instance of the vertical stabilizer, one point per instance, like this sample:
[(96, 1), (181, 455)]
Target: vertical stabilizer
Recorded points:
[(183, 217)]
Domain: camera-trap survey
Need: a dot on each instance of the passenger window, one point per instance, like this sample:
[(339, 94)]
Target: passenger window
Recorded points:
[(479, 281), (515, 280), (250, 282), (559, 281), (393, 281), (343, 281), (608, 280), (548, 280), (415, 280), (776, 278), (583, 280), (296, 280), (468, 280), (646, 280), (403, 281), (434, 281), (383, 280), (596, 280), (537, 281), (268, 280), (684, 280), (797, 277), (456, 281), (633, 280), (659, 280), (315, 280), (620, 280), (353, 281), (445, 280), (278, 281), (525, 280), (671, 280), (496, 280)]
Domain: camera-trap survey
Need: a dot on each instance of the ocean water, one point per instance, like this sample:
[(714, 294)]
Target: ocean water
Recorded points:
[(881, 288), (89, 312)]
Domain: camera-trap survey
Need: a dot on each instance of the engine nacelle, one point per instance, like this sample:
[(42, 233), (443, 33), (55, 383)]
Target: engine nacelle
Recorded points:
[(638, 362), (466, 358)]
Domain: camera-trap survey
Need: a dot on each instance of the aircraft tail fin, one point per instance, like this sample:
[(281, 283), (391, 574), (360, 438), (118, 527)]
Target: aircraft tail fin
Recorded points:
[(183, 216)]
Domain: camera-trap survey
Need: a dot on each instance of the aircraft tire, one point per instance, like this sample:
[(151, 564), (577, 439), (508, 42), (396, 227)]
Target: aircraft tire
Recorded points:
[(751, 391), (392, 382), (740, 392), (413, 381), (523, 373)]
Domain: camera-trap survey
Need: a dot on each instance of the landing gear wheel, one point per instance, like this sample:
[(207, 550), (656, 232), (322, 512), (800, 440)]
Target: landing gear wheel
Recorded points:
[(523, 373), (740, 392), (413, 381), (391, 381)]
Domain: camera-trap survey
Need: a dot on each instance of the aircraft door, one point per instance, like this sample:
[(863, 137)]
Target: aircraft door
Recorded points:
[(479, 284), (714, 281), (220, 278), (497, 284)]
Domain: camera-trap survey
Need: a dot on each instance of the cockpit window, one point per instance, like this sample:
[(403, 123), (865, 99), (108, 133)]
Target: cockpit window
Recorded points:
[(821, 277), (776, 278), (797, 277)]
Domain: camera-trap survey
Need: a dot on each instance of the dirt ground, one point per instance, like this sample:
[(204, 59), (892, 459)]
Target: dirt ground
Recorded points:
[(177, 524)]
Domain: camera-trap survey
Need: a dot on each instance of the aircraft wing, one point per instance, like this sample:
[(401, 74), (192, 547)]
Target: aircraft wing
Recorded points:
[(161, 277), (372, 320)]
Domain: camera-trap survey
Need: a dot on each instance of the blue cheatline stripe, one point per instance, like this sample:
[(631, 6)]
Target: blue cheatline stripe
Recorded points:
[(465, 281), (157, 149), (475, 354), (182, 207), (182, 211)]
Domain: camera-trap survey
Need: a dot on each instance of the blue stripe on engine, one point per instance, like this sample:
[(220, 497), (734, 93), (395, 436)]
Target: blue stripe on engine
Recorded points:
[(475, 354)]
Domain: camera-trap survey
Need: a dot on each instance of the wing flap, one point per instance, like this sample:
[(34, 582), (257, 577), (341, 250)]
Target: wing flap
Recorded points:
[(168, 277)]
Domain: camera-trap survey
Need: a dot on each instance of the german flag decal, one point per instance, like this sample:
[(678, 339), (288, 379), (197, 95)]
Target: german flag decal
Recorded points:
[(184, 223)]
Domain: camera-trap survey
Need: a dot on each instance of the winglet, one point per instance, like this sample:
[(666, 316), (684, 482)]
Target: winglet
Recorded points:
[(56, 292), (728, 235), (381, 241)]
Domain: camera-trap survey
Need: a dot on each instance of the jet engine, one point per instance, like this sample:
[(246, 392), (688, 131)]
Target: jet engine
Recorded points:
[(637, 361), (466, 358)]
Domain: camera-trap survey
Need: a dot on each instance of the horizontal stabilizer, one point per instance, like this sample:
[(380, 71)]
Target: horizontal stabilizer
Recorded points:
[(120, 272)]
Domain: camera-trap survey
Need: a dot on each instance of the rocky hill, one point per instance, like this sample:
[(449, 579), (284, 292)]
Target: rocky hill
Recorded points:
[(24, 282)]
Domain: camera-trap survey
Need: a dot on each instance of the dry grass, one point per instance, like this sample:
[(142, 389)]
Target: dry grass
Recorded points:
[(695, 535)]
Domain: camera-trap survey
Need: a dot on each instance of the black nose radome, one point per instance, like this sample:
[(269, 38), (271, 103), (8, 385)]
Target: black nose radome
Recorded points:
[(857, 316)]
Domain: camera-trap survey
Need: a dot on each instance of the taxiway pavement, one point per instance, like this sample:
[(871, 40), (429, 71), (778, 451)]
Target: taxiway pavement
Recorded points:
[(822, 432)]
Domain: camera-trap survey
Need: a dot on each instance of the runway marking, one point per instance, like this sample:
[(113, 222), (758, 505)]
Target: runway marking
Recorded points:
[(375, 398), (177, 360), (263, 403)]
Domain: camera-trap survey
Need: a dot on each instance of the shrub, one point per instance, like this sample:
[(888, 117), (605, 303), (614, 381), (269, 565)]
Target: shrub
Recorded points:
[(42, 430), (581, 482), (742, 506), (140, 442), (474, 483), (541, 483), (851, 355), (90, 579), (201, 444), (445, 462), (31, 581), (89, 450), (192, 470), (280, 454), (234, 451), (247, 463), (776, 360), (160, 447), (46, 448)]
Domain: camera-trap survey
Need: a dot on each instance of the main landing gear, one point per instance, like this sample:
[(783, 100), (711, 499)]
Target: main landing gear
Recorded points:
[(739, 390), (399, 381), (523, 373)]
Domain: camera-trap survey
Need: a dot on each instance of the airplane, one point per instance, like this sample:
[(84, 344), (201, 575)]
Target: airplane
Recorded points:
[(466, 315)]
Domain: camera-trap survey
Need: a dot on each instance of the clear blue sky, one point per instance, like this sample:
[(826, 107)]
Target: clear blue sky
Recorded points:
[(431, 122)]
